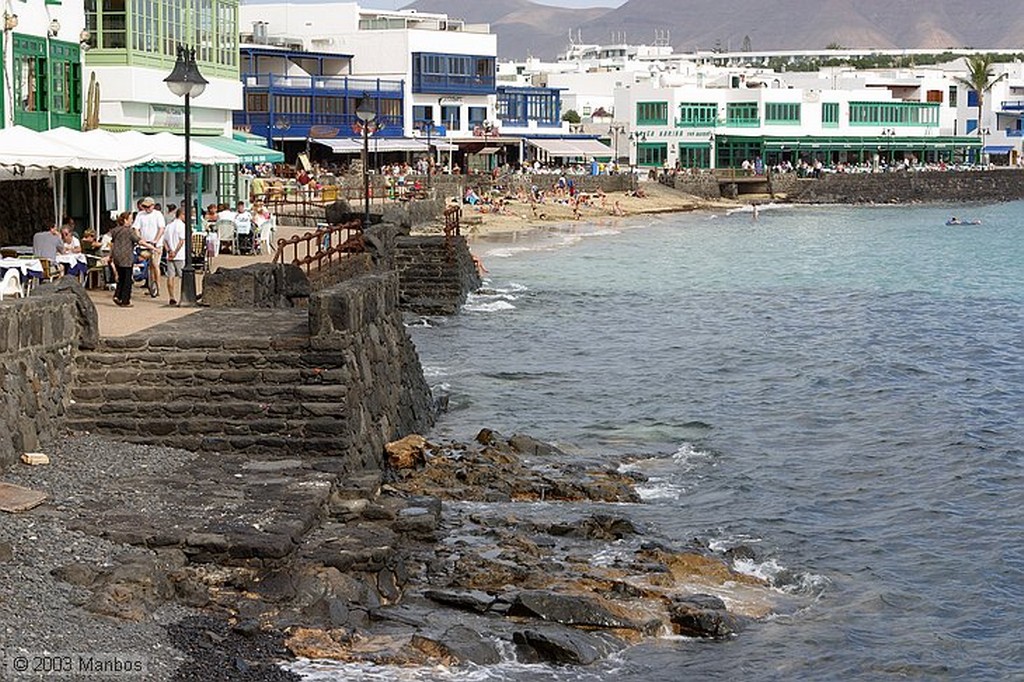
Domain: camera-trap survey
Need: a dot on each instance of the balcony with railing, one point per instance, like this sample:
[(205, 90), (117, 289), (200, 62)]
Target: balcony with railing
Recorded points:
[(1012, 105), (300, 125), (453, 74), (334, 84)]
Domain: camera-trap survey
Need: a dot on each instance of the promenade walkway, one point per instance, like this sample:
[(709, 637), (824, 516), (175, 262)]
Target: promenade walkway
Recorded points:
[(147, 312)]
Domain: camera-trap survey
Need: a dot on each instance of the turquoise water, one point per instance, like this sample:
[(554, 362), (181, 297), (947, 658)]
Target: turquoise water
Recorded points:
[(840, 388)]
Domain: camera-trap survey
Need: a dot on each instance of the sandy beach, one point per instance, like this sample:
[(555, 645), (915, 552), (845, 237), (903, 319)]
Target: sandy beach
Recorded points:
[(519, 216)]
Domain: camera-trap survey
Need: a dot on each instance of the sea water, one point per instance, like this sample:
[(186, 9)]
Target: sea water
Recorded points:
[(841, 389)]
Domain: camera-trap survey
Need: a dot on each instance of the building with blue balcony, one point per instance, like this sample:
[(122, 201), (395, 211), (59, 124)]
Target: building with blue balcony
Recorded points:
[(292, 96), (432, 77)]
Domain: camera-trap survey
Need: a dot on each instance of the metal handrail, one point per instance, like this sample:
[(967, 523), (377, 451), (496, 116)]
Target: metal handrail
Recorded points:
[(322, 246)]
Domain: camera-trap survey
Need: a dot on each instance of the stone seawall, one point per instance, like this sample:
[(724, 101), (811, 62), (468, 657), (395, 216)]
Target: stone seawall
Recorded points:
[(701, 185), (436, 274), (864, 188), (39, 336), (339, 379)]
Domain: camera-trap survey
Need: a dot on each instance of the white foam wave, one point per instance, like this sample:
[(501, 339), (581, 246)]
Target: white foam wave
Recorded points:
[(434, 371), (782, 578), (332, 671), (660, 491), (487, 306), (421, 322)]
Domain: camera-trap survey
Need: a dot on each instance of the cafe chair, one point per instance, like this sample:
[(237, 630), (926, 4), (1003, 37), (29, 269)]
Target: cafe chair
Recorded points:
[(11, 284)]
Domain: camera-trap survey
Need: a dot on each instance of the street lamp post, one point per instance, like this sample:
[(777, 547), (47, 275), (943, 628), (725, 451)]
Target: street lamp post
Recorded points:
[(889, 134), (430, 152), (366, 113), (186, 81), (614, 130)]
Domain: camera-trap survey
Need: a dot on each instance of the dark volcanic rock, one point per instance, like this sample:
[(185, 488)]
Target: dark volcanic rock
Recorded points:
[(570, 609), (564, 646), (459, 644), (703, 615), (470, 600), (527, 445)]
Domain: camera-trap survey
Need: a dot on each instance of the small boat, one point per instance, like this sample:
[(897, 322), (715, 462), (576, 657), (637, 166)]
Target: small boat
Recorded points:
[(957, 221)]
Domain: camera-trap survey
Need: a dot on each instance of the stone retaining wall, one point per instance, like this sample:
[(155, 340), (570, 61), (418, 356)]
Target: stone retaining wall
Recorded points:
[(388, 396), (38, 339), (701, 184), (949, 186), (436, 274)]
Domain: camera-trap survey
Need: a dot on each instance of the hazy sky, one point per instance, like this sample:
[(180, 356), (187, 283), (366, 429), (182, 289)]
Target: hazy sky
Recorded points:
[(398, 4)]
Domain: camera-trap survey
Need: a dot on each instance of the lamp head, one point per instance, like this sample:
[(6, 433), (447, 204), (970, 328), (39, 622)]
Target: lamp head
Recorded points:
[(185, 79), (365, 111)]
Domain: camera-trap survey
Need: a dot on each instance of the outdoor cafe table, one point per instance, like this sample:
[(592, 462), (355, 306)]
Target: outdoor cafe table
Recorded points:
[(29, 267), (76, 263)]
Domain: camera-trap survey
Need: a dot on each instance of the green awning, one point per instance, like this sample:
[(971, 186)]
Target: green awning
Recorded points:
[(249, 138), (246, 153)]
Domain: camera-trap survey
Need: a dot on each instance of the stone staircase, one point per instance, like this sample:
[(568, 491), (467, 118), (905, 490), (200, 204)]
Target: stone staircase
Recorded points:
[(214, 393), (435, 274)]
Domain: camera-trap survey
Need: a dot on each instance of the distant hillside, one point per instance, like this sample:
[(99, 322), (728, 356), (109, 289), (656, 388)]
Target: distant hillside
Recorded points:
[(525, 28)]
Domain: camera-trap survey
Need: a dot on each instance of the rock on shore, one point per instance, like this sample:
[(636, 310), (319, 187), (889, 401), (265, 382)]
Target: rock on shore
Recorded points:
[(457, 553)]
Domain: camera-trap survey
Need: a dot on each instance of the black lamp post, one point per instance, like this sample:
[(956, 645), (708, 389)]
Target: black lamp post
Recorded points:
[(366, 113), (186, 81)]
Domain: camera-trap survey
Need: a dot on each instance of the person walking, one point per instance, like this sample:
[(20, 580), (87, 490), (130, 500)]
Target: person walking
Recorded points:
[(174, 244), (123, 239), (150, 224)]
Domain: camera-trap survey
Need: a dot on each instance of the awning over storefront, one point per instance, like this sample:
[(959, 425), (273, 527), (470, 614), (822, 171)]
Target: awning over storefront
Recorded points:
[(997, 149), (246, 153), (341, 145), (578, 147), (489, 150), (347, 145)]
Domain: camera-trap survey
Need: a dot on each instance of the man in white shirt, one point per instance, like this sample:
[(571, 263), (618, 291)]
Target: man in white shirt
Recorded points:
[(243, 228), (174, 243), (150, 225)]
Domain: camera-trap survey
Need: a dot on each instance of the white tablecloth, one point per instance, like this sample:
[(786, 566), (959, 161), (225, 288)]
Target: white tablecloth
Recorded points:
[(26, 265), (71, 258)]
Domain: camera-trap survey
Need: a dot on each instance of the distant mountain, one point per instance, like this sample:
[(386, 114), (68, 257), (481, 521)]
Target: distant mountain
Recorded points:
[(526, 28)]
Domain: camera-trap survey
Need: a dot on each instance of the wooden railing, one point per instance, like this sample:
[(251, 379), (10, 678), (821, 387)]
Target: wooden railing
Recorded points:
[(452, 217), (320, 248)]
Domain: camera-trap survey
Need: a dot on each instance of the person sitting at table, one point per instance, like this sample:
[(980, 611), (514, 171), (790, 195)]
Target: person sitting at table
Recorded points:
[(264, 227), (71, 242), (47, 243)]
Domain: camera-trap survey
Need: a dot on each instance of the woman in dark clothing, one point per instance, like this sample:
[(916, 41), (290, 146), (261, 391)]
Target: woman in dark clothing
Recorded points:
[(123, 239)]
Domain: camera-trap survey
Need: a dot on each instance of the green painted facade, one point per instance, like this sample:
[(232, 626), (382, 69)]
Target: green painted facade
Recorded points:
[(146, 33), (46, 82)]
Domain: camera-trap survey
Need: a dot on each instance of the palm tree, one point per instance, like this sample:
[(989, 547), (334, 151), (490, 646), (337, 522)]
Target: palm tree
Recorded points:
[(979, 78)]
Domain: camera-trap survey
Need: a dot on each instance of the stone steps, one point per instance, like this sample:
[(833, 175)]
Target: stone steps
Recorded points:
[(255, 399), (169, 377)]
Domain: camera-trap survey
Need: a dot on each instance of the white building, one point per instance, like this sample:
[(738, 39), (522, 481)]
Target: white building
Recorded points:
[(41, 81)]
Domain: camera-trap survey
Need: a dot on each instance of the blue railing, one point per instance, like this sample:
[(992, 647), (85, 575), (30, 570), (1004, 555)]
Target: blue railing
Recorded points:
[(275, 81), (301, 125), (1014, 132), (453, 84), (1013, 105)]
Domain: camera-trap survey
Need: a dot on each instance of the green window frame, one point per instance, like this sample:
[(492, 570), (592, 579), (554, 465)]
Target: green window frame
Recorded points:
[(953, 92), (148, 32), (652, 113), (742, 115), (694, 155), (830, 114), (31, 88), (651, 154), (894, 114), (782, 113), (697, 115)]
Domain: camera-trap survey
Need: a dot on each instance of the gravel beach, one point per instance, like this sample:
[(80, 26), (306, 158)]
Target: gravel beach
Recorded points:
[(43, 615)]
